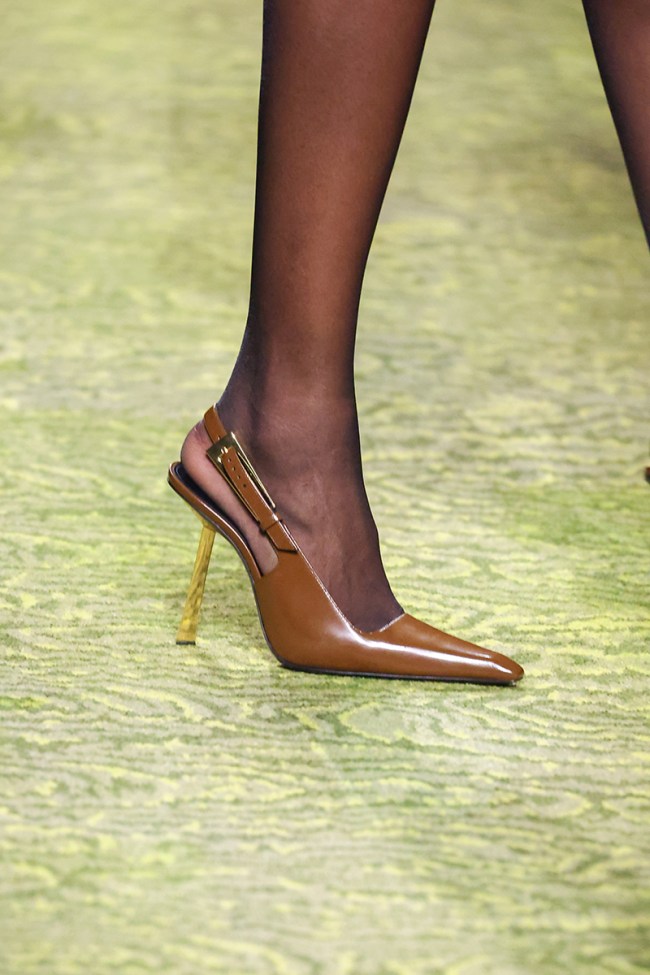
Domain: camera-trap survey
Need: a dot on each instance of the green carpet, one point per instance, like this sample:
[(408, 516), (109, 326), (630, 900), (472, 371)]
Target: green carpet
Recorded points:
[(178, 810)]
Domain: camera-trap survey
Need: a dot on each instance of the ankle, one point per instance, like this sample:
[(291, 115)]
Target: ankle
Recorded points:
[(282, 411), (283, 388), (295, 436)]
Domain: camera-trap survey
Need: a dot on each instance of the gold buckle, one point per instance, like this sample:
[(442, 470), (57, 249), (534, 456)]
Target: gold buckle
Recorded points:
[(216, 452)]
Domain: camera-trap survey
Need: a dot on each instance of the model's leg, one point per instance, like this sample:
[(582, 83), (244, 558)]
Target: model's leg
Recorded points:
[(620, 32), (337, 79)]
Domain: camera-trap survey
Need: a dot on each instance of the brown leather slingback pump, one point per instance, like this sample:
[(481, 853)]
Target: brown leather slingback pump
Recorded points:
[(303, 626)]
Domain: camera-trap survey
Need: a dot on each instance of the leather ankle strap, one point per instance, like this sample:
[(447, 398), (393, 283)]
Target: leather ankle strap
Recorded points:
[(230, 459), (213, 424)]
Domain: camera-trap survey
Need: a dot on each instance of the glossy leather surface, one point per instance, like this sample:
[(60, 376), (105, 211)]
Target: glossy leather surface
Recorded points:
[(303, 625)]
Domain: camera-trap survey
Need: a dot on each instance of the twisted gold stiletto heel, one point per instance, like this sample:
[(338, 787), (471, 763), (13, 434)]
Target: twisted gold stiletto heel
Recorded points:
[(189, 622)]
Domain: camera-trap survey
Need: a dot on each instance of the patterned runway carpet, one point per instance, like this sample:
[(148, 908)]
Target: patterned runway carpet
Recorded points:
[(201, 810)]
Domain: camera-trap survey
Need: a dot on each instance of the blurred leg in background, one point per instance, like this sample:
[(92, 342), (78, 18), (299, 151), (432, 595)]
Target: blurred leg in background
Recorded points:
[(620, 32)]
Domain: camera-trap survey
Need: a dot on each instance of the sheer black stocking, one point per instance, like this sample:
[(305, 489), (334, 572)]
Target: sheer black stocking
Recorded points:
[(620, 33), (337, 80)]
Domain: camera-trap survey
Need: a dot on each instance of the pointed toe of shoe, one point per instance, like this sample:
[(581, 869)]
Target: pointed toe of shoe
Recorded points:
[(505, 670), (481, 666), (433, 654)]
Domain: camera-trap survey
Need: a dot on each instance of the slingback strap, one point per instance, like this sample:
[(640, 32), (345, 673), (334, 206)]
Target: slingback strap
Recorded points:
[(231, 460)]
